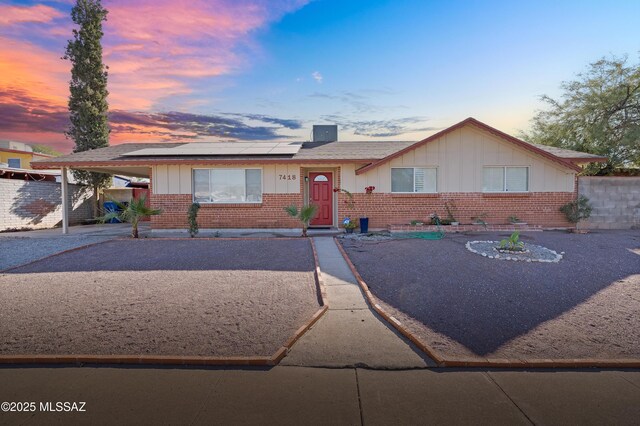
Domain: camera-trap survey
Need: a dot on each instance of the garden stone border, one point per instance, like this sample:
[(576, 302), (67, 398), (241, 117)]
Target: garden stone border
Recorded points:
[(533, 253)]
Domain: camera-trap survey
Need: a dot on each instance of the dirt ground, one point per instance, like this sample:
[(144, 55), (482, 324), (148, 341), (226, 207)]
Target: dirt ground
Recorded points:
[(462, 304), (160, 297)]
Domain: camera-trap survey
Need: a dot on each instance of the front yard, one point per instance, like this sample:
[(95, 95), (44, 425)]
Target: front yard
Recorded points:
[(464, 305), (216, 298)]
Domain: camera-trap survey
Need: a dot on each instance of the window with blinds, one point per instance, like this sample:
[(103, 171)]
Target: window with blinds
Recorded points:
[(414, 179), (227, 185), (505, 179)]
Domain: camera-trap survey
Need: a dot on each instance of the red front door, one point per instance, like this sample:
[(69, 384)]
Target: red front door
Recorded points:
[(321, 194)]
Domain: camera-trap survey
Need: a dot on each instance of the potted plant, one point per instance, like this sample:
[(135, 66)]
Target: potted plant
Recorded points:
[(435, 219), (577, 210), (349, 225), (451, 208), (514, 220), (364, 221), (480, 220)]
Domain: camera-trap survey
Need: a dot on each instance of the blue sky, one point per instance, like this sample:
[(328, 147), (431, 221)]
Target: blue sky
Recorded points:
[(380, 69)]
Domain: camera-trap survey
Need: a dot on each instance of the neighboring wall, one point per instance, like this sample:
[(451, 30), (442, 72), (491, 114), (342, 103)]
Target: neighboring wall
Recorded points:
[(29, 204), (615, 201)]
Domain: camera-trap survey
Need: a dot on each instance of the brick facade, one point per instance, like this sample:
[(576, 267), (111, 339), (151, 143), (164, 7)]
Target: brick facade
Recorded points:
[(536, 208), (269, 214), (382, 209)]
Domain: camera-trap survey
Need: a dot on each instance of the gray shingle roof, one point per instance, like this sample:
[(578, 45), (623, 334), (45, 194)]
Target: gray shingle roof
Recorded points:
[(362, 151), (564, 153), (310, 151), (370, 150)]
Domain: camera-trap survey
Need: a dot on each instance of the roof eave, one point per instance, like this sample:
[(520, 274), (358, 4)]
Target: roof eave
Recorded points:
[(587, 160), (138, 163)]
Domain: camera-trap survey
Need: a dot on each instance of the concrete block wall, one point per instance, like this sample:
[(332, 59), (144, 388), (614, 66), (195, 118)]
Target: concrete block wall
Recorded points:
[(30, 204), (615, 201)]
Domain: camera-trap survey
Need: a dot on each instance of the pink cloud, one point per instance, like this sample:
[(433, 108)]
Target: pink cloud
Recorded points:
[(10, 15), (157, 51), (39, 72)]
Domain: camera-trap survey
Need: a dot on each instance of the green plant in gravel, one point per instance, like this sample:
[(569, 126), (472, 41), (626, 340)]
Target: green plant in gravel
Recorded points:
[(577, 210), (132, 212), (349, 224), (304, 215), (512, 243), (192, 215)]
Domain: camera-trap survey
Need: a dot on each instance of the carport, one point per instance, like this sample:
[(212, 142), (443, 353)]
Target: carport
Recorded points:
[(101, 160)]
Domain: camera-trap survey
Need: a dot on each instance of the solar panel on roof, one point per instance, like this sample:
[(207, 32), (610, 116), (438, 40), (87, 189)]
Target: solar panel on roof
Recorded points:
[(222, 148)]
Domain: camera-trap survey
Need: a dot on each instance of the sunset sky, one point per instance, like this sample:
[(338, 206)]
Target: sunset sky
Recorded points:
[(267, 70)]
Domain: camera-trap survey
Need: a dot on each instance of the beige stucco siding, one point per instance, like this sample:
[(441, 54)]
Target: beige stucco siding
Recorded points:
[(276, 178), (460, 157)]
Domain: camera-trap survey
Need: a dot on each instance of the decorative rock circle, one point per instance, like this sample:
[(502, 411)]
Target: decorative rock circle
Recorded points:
[(531, 253)]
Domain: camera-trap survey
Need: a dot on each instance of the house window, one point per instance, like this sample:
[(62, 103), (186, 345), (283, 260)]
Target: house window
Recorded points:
[(414, 179), (14, 163), (227, 185), (505, 179)]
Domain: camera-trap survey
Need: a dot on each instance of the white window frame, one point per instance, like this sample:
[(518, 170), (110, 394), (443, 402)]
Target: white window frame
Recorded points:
[(19, 160), (504, 179), (414, 179), (193, 184)]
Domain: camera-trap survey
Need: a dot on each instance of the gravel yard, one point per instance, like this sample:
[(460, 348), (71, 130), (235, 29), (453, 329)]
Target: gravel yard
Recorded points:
[(160, 297), (16, 251), (463, 304)]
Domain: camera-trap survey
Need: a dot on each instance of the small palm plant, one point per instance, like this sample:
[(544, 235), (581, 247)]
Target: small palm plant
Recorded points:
[(132, 212), (304, 215), (512, 243)]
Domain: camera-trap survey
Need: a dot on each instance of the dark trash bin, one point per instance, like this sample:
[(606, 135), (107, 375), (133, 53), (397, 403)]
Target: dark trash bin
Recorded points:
[(110, 207), (364, 225)]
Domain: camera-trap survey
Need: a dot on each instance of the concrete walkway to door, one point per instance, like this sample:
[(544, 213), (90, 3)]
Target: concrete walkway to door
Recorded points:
[(350, 334)]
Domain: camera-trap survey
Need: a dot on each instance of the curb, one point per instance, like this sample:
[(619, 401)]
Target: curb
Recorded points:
[(322, 298), (482, 362), (174, 359), (206, 238)]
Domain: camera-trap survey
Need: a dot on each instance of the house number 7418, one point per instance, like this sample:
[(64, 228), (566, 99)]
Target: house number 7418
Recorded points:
[(287, 177)]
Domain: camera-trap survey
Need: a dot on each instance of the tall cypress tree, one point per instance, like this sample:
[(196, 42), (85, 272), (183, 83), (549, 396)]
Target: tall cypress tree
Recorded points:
[(88, 108)]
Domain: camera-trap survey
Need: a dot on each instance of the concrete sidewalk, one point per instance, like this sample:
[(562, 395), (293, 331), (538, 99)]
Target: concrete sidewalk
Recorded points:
[(295, 395), (100, 230), (350, 334)]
